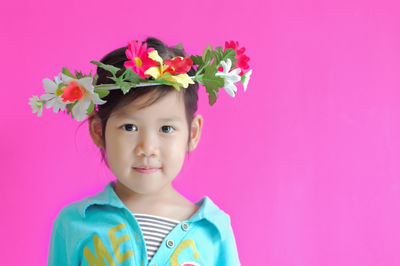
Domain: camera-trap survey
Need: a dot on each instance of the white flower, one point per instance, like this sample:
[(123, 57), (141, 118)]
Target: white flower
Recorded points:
[(246, 78), (80, 108), (36, 104), (229, 77), (53, 94)]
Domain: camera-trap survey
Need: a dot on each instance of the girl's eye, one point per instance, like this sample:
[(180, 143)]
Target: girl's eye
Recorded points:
[(167, 129), (129, 127)]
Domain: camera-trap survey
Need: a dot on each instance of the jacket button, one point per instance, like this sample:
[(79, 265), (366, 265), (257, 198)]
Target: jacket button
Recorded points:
[(185, 226), (170, 243)]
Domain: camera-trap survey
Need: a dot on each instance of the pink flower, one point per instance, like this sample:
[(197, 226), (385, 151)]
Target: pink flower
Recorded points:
[(139, 58), (235, 46), (242, 59)]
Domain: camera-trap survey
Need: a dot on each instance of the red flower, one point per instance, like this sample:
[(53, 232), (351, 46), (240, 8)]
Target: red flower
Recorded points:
[(235, 46), (72, 92), (242, 62), (242, 59), (178, 65)]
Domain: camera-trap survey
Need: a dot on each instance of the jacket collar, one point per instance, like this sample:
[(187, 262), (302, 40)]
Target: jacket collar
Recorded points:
[(208, 210)]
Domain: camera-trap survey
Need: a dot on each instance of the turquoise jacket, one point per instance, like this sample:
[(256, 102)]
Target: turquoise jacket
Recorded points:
[(100, 230)]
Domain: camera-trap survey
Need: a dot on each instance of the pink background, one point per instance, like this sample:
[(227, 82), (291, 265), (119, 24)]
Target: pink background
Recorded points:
[(306, 161)]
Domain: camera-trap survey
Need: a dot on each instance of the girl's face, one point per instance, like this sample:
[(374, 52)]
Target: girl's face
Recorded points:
[(146, 147)]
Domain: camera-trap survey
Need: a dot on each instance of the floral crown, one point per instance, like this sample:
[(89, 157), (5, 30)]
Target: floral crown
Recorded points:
[(216, 68)]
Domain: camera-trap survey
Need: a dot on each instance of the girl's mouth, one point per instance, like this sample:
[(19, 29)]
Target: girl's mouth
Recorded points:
[(147, 170)]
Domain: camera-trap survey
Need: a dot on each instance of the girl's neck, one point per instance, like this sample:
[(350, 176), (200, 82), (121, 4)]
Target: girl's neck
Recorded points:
[(127, 195), (167, 203)]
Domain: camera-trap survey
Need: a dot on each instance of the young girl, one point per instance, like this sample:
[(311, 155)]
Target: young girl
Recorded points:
[(144, 125)]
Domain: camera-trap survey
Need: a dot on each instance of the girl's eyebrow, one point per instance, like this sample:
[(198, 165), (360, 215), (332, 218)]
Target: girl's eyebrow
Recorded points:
[(166, 119), (172, 118)]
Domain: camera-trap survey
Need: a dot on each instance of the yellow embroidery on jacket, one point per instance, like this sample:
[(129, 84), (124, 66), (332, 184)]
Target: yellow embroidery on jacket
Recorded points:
[(184, 244), (102, 252), (115, 242)]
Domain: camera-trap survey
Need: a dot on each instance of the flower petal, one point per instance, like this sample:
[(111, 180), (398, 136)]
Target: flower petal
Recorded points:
[(67, 79), (230, 88), (154, 72), (154, 55), (86, 83), (178, 65), (79, 110), (182, 79), (246, 78), (96, 99), (47, 96), (49, 85)]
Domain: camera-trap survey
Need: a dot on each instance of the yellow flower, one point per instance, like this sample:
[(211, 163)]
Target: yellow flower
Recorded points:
[(183, 79)]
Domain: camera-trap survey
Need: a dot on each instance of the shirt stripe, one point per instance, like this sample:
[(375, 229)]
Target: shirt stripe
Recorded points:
[(154, 229)]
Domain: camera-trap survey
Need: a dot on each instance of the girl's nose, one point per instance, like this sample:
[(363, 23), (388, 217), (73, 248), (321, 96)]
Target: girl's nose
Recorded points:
[(146, 146)]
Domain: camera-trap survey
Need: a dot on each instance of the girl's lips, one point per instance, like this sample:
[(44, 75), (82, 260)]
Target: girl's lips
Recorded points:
[(147, 170)]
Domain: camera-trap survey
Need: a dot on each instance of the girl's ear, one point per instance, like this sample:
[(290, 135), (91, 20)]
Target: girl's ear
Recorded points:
[(95, 129), (197, 125)]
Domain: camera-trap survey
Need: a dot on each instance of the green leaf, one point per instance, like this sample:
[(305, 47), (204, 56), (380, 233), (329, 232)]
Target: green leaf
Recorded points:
[(66, 71), (70, 106), (176, 85), (212, 98), (102, 93), (218, 54), (90, 109), (166, 75), (231, 54), (223, 56), (197, 60), (109, 68), (104, 86), (206, 51), (132, 76), (116, 80), (211, 82), (179, 46), (95, 78), (208, 57), (78, 74), (125, 86)]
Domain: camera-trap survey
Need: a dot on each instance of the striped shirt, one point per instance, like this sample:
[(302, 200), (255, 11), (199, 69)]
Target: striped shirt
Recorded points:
[(154, 229)]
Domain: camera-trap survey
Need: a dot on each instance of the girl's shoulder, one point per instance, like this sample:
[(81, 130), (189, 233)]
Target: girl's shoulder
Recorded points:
[(76, 210), (216, 217), (71, 211)]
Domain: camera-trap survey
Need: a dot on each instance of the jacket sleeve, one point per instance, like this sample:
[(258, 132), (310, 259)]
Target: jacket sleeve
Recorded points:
[(228, 252), (58, 246)]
